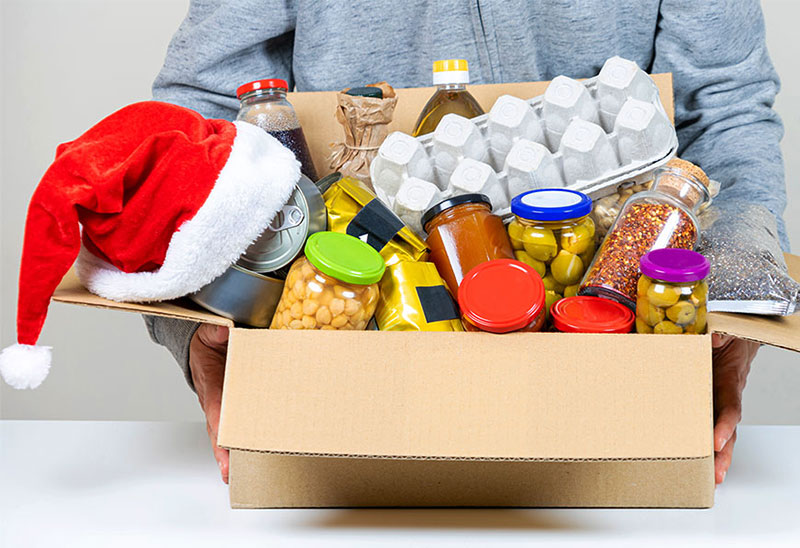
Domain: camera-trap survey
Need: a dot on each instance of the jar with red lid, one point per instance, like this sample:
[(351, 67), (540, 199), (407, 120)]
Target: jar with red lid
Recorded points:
[(502, 296), (463, 233), (591, 315), (263, 103)]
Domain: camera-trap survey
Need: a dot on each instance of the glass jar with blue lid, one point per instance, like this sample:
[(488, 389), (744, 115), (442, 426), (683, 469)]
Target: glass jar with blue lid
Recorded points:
[(552, 232)]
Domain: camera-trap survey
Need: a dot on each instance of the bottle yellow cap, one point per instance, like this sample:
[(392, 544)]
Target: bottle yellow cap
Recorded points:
[(447, 65), (450, 71)]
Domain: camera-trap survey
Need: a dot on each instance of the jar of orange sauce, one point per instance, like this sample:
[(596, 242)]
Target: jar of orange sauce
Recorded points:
[(463, 233)]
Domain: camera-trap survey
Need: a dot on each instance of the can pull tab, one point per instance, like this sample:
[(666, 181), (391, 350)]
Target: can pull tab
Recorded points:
[(288, 217)]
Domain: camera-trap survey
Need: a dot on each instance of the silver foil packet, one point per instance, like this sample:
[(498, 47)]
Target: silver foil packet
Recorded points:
[(748, 272)]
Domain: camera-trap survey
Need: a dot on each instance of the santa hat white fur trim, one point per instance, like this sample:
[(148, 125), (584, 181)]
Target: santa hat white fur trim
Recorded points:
[(252, 187), (24, 365)]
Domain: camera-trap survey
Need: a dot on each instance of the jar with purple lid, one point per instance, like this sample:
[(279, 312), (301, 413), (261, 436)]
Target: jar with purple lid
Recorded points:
[(672, 292)]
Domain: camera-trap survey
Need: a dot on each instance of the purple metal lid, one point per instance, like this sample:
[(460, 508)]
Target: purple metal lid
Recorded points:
[(675, 265)]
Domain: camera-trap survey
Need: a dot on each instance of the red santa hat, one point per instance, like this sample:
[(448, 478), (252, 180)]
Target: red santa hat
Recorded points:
[(167, 200)]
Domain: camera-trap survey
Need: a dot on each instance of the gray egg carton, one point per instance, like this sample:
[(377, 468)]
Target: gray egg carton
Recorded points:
[(592, 136)]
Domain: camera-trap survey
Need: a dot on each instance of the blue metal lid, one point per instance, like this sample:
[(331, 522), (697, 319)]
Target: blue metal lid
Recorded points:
[(551, 204)]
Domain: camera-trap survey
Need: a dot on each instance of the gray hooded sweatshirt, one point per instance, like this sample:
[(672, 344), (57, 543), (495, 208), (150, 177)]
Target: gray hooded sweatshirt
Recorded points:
[(724, 81)]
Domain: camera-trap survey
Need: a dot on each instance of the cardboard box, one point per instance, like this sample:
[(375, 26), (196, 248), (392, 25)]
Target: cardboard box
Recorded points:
[(343, 419)]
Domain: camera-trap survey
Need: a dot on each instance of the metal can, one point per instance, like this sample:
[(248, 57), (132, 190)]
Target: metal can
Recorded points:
[(242, 296), (276, 247)]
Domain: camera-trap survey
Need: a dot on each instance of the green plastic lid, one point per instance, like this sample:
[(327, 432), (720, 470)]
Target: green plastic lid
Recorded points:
[(345, 258)]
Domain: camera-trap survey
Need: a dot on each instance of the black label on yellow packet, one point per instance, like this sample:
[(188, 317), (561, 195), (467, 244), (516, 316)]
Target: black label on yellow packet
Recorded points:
[(437, 305), (375, 224)]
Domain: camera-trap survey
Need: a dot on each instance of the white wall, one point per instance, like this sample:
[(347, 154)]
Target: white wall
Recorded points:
[(66, 64)]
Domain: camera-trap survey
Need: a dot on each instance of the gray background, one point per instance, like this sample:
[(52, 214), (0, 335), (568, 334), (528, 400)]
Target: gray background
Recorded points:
[(65, 65)]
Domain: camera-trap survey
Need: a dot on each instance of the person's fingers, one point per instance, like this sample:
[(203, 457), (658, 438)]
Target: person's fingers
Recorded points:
[(718, 341), (207, 353), (213, 336), (211, 399), (722, 459), (220, 455), (725, 426)]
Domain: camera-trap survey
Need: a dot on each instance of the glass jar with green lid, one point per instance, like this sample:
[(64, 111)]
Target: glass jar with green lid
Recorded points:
[(552, 232), (334, 286)]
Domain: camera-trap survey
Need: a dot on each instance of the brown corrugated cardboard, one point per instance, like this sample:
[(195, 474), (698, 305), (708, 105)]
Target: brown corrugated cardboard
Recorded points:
[(262, 480), (443, 395), (319, 419), (71, 291)]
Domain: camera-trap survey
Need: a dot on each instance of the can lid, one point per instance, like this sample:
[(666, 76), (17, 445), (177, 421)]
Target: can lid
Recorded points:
[(551, 204), (501, 295), (303, 214), (270, 83), (345, 258), (675, 265), (450, 71), (453, 202), (365, 91), (585, 314)]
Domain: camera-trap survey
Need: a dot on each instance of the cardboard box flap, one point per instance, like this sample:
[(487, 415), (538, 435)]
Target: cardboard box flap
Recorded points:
[(71, 291), (467, 396), (780, 331), (783, 332)]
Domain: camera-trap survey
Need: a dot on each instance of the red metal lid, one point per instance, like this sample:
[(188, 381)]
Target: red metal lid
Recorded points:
[(271, 83), (591, 315), (502, 295)]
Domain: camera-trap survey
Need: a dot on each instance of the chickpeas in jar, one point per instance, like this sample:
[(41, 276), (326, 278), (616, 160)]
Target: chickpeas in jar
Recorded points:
[(553, 233), (333, 287), (672, 293)]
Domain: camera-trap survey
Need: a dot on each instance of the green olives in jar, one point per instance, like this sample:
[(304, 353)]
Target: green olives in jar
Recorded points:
[(672, 293), (552, 232)]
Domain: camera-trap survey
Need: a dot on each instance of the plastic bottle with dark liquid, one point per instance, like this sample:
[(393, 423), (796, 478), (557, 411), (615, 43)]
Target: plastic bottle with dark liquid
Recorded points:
[(450, 77), (263, 103)]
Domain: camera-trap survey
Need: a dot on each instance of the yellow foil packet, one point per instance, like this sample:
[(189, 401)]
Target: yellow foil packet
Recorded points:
[(354, 209), (413, 297)]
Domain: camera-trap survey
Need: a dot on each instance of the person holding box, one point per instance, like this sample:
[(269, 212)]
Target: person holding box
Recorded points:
[(724, 81)]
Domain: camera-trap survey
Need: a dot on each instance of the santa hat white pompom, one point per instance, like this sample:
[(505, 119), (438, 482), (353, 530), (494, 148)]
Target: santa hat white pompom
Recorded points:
[(25, 366)]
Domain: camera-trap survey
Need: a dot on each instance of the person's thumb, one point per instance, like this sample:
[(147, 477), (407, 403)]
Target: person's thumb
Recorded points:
[(214, 336)]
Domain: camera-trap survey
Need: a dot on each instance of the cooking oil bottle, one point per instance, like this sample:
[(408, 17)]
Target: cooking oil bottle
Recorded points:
[(450, 76)]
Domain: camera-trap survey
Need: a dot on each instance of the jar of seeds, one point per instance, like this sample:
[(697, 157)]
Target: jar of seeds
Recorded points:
[(663, 217)]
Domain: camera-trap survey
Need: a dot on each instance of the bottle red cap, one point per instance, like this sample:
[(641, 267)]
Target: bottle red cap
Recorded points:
[(271, 83), (591, 315), (501, 296)]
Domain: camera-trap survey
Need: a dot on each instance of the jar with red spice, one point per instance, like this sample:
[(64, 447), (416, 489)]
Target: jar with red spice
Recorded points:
[(502, 296), (663, 217), (463, 233)]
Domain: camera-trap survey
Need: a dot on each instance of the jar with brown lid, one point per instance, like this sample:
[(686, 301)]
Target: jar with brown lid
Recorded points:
[(463, 233)]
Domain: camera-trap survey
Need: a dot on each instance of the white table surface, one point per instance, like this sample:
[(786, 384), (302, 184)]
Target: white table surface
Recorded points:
[(155, 484)]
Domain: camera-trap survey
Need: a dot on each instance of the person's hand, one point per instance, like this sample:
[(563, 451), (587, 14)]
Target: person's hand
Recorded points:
[(207, 351), (731, 363)]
